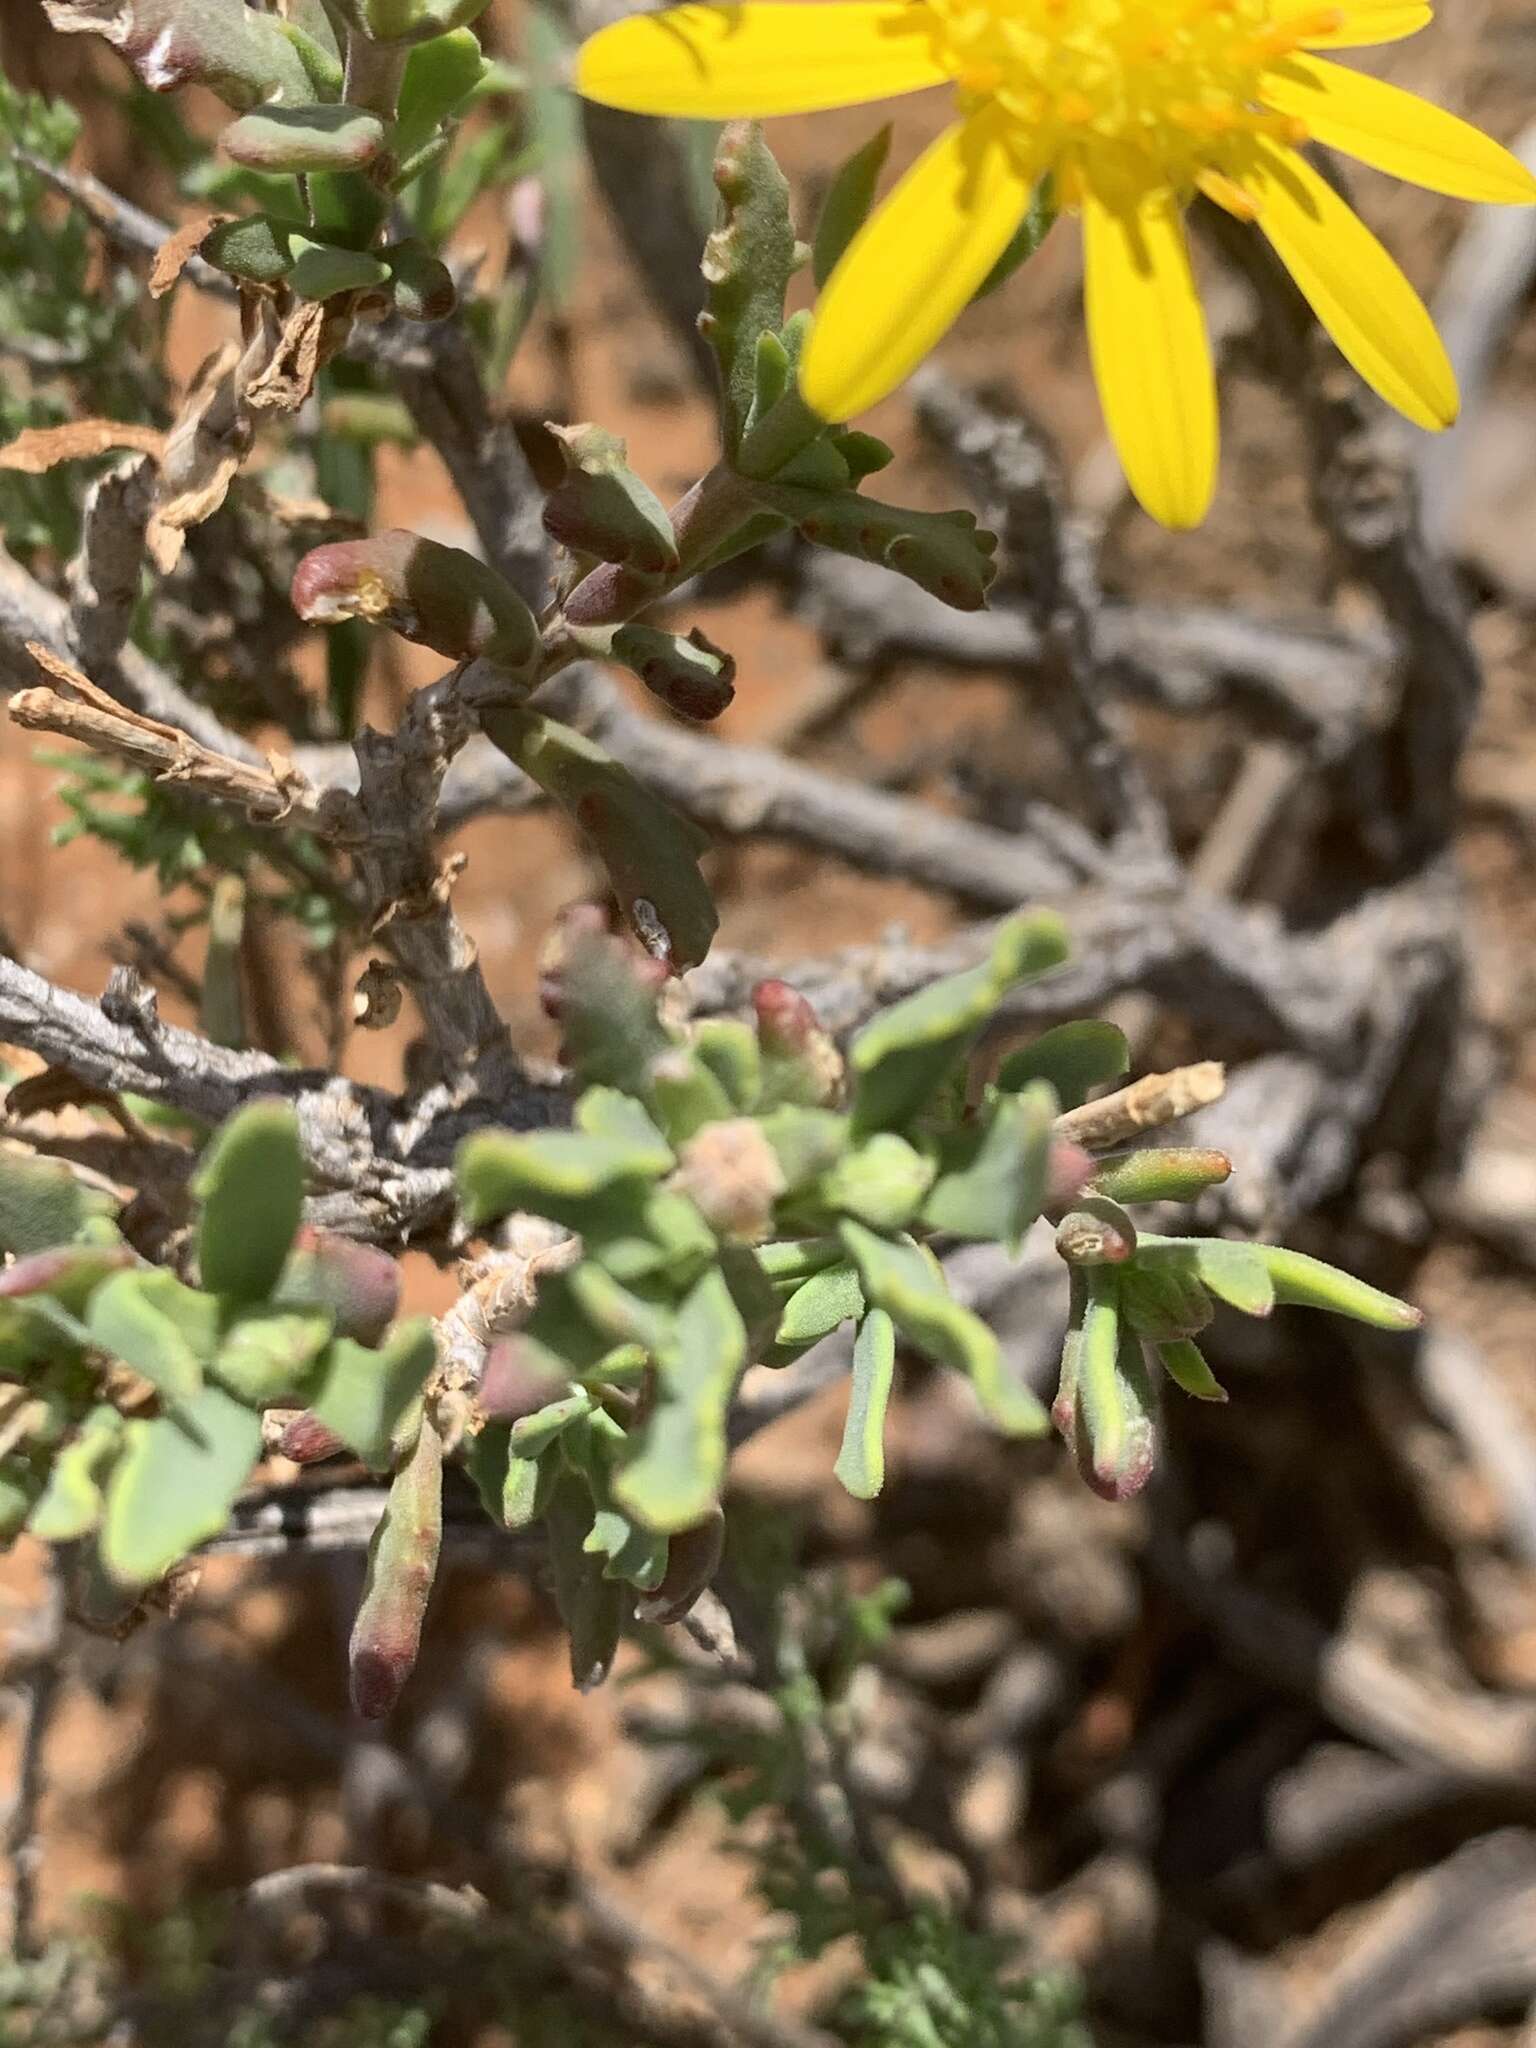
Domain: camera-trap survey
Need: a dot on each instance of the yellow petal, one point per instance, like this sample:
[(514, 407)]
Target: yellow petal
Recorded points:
[(1151, 356), (1375, 316), (763, 57), (1360, 22), (1397, 132), (913, 267)]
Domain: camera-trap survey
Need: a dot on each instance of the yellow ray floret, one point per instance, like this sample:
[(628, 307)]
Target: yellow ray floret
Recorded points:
[(1132, 106), (1396, 131), (882, 312), (1376, 318), (1355, 27), (751, 61), (1151, 358)]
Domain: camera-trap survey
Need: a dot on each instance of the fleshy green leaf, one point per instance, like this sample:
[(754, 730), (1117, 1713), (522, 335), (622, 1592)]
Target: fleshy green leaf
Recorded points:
[(1160, 1174), (68, 1274), (1164, 1297), (693, 1558), (314, 42), (611, 1114), (594, 1447), (757, 1300), (902, 1057), (819, 1305), (748, 262), (1184, 1362), (265, 1358), (42, 1204), (554, 1173), (243, 57), (421, 285), (609, 1028), (436, 596), (526, 1489), (250, 1184), (365, 1395), (651, 854), (1305, 1282), (1064, 1406), (944, 553), (256, 249), (1074, 1058), (322, 271), (909, 1286), (300, 139), (1116, 1411), (683, 670), (71, 1503), (164, 1331), (535, 1433), (563, 1336), (993, 1182), (174, 1484), (602, 508), (674, 1479), (806, 1142), (439, 76), (591, 1606), (662, 1234), (685, 1093), (1236, 1273), (616, 1312), (731, 1052), (861, 1460), (402, 1566), (881, 1182)]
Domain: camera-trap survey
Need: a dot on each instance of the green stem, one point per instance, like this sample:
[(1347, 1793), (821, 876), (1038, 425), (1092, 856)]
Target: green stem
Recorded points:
[(779, 436), (704, 521), (373, 75)]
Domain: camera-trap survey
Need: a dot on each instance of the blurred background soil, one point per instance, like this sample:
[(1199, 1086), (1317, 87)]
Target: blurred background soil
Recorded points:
[(162, 1789)]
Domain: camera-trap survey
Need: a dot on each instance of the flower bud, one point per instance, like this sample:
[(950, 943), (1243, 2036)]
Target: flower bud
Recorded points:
[(691, 676), (437, 596)]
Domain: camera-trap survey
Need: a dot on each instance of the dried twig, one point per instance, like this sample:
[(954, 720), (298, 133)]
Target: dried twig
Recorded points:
[(1153, 1100), (381, 1164), (1047, 566), (1305, 676), (29, 613), (129, 226), (90, 715)]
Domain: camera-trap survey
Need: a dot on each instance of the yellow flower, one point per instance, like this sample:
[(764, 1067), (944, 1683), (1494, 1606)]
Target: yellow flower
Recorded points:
[(1133, 106)]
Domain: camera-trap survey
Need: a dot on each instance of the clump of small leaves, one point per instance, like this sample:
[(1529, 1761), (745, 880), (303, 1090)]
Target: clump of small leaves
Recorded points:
[(741, 1190), (134, 1397)]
